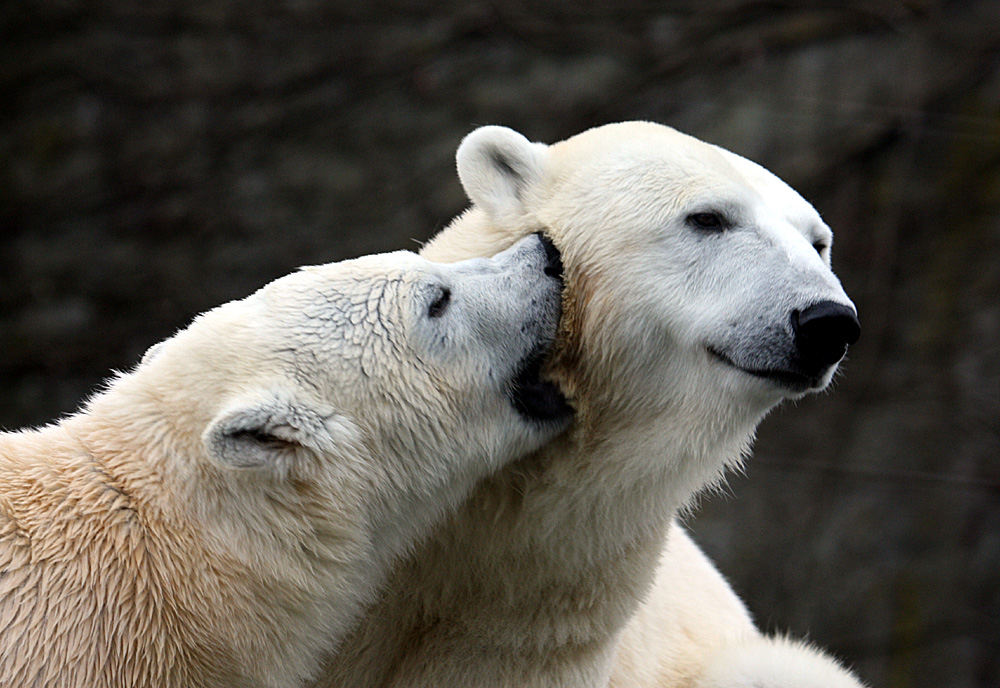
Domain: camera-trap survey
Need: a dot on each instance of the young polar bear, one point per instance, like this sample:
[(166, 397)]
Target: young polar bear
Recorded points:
[(218, 516), (698, 296)]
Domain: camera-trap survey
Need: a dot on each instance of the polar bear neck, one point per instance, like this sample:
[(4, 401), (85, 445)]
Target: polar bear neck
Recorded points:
[(595, 493), (565, 542)]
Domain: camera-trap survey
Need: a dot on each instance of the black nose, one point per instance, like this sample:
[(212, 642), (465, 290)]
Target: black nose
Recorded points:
[(823, 331), (553, 261)]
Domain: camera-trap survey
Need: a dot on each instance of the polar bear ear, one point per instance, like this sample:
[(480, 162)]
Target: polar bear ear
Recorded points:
[(271, 430), (497, 166)]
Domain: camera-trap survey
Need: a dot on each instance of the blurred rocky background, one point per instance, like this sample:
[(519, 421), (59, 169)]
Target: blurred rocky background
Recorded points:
[(158, 158)]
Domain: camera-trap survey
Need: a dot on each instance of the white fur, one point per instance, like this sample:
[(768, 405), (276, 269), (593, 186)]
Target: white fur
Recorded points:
[(554, 572), (219, 516), (773, 663)]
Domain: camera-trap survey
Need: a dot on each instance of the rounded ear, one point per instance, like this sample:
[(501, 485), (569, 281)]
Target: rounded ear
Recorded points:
[(269, 430), (497, 166)]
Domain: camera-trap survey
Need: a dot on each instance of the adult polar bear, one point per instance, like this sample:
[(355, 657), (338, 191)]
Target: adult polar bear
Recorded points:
[(698, 296), (218, 516)]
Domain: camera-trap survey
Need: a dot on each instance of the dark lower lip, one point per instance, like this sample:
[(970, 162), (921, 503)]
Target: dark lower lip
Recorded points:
[(536, 399), (787, 379)]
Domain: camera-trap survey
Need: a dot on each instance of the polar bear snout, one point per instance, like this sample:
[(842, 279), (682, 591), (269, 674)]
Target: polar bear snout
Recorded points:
[(797, 356), (823, 331), (535, 398)]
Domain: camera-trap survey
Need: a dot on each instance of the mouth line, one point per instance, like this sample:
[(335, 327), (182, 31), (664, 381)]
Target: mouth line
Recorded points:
[(788, 379), (536, 400)]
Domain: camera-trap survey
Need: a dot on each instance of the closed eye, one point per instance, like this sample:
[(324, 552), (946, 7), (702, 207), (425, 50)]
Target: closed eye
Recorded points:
[(440, 303), (710, 221)]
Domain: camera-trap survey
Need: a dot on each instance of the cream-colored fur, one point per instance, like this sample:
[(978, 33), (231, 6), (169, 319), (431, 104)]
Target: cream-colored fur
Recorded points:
[(218, 516), (566, 569)]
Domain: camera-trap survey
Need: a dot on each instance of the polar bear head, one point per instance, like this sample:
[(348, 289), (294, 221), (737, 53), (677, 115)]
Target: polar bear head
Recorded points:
[(388, 383), (242, 492), (699, 292)]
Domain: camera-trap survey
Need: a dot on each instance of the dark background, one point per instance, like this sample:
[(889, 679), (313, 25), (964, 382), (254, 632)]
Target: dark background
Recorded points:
[(159, 158)]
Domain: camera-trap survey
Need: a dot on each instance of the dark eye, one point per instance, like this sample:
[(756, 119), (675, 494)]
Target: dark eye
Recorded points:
[(820, 247), (710, 221), (440, 303)]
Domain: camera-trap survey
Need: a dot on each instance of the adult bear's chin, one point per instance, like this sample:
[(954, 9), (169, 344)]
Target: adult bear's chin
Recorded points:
[(536, 399)]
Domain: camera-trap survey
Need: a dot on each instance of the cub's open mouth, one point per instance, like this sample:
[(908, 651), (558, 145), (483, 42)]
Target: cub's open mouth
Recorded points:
[(534, 398), (787, 379)]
